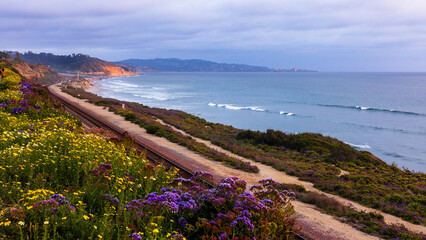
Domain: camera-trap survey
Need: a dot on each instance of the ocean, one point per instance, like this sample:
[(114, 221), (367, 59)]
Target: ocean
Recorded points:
[(384, 113)]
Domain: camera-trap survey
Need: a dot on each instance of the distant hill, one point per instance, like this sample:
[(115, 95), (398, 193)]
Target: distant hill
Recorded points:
[(77, 63), (192, 65)]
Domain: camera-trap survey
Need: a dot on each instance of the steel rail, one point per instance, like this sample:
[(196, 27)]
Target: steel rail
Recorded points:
[(151, 154)]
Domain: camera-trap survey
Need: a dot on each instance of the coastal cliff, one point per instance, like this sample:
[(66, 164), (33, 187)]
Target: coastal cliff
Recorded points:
[(38, 73), (76, 64)]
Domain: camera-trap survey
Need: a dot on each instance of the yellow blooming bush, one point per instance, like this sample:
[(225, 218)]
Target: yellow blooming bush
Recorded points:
[(47, 167)]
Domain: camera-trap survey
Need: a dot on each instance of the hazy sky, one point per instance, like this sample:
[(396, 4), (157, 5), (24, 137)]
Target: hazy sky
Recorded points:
[(326, 35)]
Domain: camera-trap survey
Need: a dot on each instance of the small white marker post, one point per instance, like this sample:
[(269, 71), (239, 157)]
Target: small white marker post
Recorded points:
[(123, 106)]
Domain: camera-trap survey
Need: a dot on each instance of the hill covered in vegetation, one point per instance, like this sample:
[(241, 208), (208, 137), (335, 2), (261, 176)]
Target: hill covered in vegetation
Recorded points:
[(193, 65), (77, 63), (37, 73)]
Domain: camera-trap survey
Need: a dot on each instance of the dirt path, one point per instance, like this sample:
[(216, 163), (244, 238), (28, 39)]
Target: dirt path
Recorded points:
[(316, 224), (270, 172)]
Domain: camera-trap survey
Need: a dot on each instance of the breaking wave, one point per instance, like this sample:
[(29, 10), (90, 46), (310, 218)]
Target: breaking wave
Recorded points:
[(363, 108), (358, 146), (287, 113), (233, 107)]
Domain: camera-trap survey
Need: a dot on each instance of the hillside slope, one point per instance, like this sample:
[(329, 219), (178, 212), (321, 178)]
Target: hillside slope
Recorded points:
[(37, 73), (78, 63)]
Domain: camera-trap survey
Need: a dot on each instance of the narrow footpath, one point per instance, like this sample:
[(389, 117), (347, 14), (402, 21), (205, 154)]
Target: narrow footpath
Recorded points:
[(315, 224)]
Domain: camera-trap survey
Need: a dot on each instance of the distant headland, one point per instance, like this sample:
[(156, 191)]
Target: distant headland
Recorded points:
[(195, 65)]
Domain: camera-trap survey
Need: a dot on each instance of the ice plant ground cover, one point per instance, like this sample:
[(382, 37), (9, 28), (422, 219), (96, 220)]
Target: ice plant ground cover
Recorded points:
[(309, 156), (58, 182)]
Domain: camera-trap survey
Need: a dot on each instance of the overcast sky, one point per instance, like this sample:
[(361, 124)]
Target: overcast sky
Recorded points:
[(326, 35)]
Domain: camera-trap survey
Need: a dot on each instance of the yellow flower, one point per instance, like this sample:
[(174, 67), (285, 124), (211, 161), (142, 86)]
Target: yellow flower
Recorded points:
[(86, 217), (64, 218), (46, 222), (21, 223), (99, 236), (155, 231)]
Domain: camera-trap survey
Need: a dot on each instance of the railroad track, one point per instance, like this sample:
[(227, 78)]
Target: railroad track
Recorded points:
[(93, 121), (153, 156)]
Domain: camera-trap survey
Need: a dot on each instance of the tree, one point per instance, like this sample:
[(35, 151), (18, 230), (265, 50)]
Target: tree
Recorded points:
[(18, 57), (4, 55)]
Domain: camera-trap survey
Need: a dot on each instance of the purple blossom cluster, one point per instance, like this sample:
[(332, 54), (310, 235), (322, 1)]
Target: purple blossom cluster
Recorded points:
[(20, 107), (228, 206), (110, 198), (102, 170), (53, 204), (135, 236)]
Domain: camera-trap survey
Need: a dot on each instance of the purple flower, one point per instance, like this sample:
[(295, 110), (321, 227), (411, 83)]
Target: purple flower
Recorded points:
[(18, 110), (267, 181), (246, 213), (246, 222), (247, 196), (223, 236), (182, 222), (129, 177), (49, 202), (267, 202), (172, 196), (256, 187), (135, 236), (223, 216), (59, 199), (173, 207), (233, 224), (177, 237), (72, 208), (105, 166)]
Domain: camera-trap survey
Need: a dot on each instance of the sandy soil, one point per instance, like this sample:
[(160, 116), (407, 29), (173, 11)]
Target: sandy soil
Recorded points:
[(315, 224)]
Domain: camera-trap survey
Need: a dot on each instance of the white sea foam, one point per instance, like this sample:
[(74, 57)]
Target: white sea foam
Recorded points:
[(287, 113), (233, 107), (359, 146), (362, 108), (125, 84), (154, 96)]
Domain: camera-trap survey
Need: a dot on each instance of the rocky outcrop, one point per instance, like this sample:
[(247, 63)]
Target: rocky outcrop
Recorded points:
[(37, 73), (105, 69), (84, 84)]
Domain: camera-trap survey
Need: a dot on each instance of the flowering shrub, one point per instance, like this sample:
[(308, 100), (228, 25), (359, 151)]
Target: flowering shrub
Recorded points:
[(56, 181)]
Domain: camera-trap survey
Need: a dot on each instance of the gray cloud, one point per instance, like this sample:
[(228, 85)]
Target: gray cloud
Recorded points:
[(268, 30)]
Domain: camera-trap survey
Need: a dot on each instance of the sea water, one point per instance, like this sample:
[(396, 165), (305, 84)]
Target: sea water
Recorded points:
[(384, 113)]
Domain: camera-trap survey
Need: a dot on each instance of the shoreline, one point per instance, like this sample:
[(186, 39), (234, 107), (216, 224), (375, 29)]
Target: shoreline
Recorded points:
[(402, 158)]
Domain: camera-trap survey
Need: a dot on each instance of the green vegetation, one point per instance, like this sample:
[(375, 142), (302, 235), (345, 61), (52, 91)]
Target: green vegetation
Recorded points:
[(311, 157), (152, 126), (72, 63), (12, 78), (370, 223), (59, 182)]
